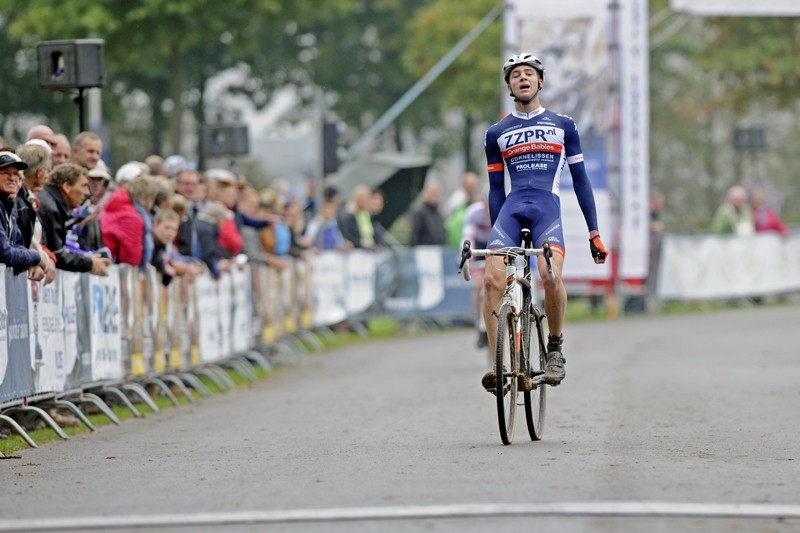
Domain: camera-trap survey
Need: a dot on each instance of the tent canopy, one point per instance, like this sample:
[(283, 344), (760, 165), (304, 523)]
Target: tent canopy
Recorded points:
[(399, 176)]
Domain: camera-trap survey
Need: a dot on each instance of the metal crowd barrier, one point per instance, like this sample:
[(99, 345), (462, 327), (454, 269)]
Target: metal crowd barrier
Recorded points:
[(90, 340)]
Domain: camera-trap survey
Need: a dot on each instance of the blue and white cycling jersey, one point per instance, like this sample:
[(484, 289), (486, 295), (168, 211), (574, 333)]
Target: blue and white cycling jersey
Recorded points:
[(534, 147)]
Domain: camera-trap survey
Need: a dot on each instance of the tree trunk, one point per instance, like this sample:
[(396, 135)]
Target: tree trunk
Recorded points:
[(468, 126), (177, 83)]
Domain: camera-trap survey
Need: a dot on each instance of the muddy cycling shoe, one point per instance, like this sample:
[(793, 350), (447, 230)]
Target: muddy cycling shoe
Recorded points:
[(489, 381), (554, 371)]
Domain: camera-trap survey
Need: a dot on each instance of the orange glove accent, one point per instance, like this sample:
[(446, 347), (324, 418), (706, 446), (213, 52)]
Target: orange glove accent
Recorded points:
[(599, 252)]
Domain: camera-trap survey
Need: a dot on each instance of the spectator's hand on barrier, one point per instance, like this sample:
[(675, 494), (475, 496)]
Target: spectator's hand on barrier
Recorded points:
[(100, 265), (277, 263), (36, 273), (598, 249), (50, 272)]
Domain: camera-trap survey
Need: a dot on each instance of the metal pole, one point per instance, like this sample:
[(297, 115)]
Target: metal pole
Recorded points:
[(408, 98)]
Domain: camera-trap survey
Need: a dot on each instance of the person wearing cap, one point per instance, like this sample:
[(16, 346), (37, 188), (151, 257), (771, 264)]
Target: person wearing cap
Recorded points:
[(87, 230), (222, 188), (66, 189), (36, 154), (87, 148), (130, 171), (209, 223), (13, 252), (174, 164)]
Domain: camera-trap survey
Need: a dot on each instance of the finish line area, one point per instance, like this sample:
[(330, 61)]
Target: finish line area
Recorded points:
[(364, 514)]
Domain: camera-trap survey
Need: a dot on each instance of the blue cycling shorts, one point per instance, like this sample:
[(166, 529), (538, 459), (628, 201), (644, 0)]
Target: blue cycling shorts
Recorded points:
[(536, 209)]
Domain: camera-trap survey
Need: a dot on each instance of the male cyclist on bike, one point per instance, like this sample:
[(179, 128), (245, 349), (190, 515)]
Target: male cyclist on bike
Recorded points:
[(533, 144)]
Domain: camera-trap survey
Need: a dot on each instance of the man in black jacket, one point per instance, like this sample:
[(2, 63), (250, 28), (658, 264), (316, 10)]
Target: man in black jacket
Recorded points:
[(12, 251), (66, 188), (427, 224)]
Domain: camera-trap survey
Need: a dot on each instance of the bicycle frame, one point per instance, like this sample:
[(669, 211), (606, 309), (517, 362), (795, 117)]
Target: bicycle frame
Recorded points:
[(516, 315)]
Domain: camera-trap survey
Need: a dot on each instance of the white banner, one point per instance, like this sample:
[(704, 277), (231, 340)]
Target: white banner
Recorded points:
[(327, 288), (106, 326), (571, 38), (3, 325), (431, 276), (360, 281), (634, 248), (70, 285), (242, 309), (51, 372), (763, 8), (699, 267), (208, 311), (225, 313)]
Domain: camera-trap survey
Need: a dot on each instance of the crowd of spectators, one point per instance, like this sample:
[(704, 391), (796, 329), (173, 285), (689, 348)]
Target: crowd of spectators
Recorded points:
[(66, 208)]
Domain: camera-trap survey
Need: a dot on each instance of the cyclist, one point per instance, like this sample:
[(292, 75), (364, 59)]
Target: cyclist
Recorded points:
[(477, 227), (532, 144)]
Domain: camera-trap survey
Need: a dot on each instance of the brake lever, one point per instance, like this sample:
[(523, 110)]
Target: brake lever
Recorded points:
[(548, 253), (466, 253)]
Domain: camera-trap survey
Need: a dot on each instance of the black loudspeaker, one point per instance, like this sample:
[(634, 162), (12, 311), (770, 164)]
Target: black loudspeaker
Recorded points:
[(330, 144), (70, 64), (225, 140)]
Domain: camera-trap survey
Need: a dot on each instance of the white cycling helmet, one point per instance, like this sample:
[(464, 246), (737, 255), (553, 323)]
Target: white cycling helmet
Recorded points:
[(523, 59)]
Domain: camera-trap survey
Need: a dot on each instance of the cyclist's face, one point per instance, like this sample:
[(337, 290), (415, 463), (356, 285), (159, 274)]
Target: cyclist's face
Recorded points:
[(524, 81)]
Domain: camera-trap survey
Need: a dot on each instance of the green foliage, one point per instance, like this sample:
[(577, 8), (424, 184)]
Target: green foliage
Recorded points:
[(473, 81)]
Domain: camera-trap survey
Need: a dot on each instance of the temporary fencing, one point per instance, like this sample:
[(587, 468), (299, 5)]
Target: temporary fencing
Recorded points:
[(85, 339), (90, 339)]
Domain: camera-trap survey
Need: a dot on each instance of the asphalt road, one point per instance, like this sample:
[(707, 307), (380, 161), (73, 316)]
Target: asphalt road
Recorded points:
[(664, 423)]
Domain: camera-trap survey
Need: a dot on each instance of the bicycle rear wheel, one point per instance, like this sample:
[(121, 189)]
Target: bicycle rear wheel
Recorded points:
[(506, 369), (534, 333)]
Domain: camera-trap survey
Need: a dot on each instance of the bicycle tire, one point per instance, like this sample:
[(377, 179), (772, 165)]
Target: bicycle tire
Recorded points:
[(506, 372), (535, 400)]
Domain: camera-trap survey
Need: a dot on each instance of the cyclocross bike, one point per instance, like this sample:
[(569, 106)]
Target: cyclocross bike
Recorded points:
[(519, 358)]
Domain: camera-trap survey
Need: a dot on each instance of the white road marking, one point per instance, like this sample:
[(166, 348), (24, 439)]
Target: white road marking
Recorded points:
[(572, 509)]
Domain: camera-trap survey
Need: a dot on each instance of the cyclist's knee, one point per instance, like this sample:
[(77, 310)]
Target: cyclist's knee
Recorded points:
[(493, 285)]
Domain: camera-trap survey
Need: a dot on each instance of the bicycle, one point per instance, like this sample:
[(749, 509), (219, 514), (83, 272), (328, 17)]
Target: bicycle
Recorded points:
[(516, 367)]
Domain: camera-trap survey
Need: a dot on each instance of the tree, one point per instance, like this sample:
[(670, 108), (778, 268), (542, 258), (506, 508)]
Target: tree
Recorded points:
[(153, 41), (472, 84)]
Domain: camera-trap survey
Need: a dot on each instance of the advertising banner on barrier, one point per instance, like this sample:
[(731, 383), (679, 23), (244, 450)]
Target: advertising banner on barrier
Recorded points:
[(289, 296), (141, 354), (403, 298), (701, 267), (242, 310), (3, 333), (327, 275), (359, 281), (457, 300), (106, 326), (304, 298), (159, 320), (225, 314), (73, 302), (51, 369), (208, 311), (18, 377), (176, 325)]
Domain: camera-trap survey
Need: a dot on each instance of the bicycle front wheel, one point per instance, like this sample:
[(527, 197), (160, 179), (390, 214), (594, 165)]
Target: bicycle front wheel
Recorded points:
[(506, 371), (534, 333)]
